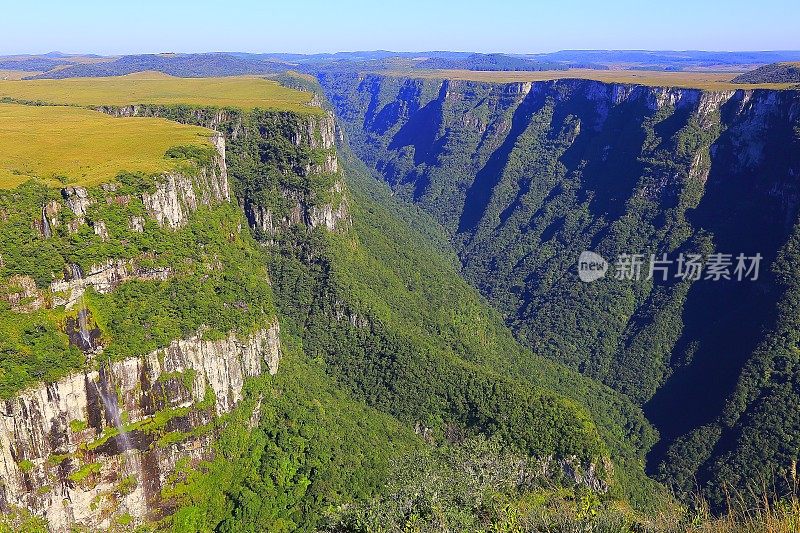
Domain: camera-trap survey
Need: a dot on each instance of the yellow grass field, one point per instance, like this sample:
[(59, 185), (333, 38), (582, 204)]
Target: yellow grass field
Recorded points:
[(86, 147), (245, 92), (699, 80)]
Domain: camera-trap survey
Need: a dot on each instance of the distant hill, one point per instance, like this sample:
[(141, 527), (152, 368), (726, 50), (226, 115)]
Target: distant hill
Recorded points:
[(32, 64), (232, 64), (489, 62), (773, 73), (182, 65), (667, 60), (238, 63)]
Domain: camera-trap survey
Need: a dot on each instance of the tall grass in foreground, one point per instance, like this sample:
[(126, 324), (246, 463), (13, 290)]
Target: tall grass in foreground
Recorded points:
[(769, 515), (565, 516)]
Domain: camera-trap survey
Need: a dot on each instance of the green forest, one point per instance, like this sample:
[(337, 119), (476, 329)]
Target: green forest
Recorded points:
[(524, 177), (441, 366)]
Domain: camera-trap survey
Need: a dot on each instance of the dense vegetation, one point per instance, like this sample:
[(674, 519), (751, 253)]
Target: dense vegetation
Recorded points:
[(381, 334), (489, 62), (139, 316), (772, 73), (402, 401), (524, 180), (314, 448), (32, 64), (181, 65), (393, 322)]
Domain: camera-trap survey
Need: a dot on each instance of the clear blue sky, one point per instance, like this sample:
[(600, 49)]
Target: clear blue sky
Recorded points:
[(521, 26)]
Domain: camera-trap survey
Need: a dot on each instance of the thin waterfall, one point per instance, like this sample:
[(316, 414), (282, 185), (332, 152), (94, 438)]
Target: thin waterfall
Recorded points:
[(83, 313), (76, 271), (46, 231), (83, 327), (111, 404)]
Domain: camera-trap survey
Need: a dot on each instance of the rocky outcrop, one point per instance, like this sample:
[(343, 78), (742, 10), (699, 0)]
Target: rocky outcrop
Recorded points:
[(137, 224), (77, 199), (103, 278), (326, 209), (334, 214), (49, 219), (23, 295), (100, 444), (319, 134), (177, 195), (211, 118), (100, 230), (328, 217), (316, 132), (260, 219)]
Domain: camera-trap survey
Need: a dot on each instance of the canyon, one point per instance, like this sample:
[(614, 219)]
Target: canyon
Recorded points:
[(526, 176), (213, 346)]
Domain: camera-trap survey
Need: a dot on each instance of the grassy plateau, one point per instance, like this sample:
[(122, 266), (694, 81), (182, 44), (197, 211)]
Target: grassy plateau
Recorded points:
[(67, 145), (242, 92)]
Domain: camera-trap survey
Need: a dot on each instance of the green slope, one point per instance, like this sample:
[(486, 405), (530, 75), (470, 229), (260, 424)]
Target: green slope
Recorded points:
[(384, 337), (524, 177), (385, 308)]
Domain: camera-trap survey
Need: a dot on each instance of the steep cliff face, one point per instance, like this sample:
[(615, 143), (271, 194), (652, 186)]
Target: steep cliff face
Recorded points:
[(120, 401), (100, 445), (103, 278), (127, 268), (526, 176), (310, 191), (177, 195), (174, 196)]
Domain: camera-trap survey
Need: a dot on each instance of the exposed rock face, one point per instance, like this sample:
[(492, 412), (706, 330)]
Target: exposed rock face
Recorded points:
[(332, 216), (49, 219), (137, 224), (301, 206), (316, 132), (101, 444), (23, 295), (103, 278), (319, 133), (77, 199), (100, 230), (580, 473), (260, 218), (329, 215), (178, 195), (209, 118), (86, 449), (175, 197)]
